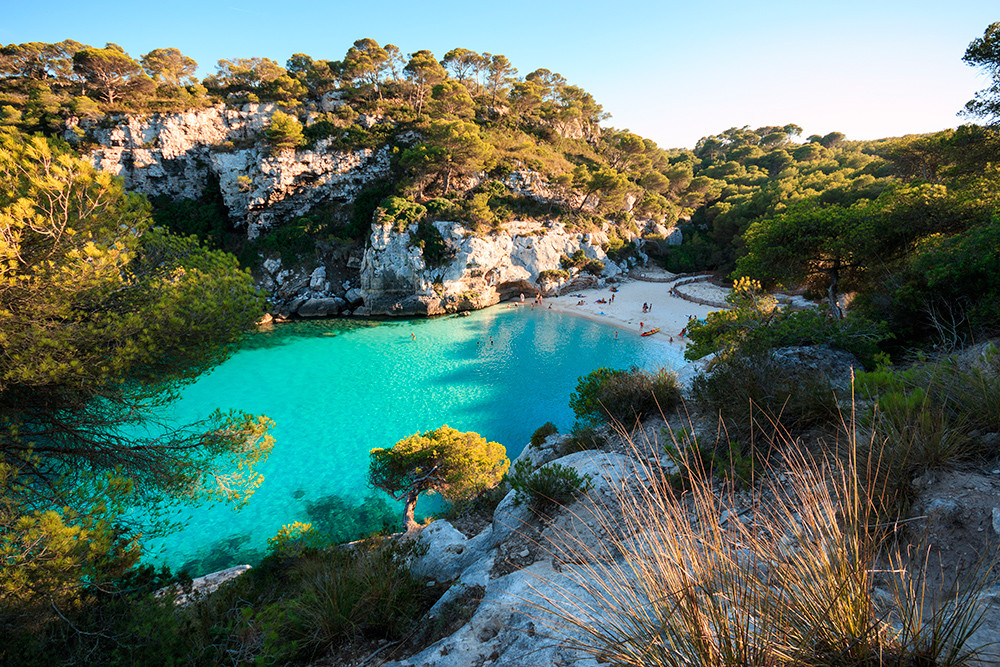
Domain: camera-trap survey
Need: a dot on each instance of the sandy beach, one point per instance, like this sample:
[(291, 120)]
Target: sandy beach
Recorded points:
[(668, 313)]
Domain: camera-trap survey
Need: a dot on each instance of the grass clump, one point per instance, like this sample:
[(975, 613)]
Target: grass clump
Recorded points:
[(552, 484), (786, 574)]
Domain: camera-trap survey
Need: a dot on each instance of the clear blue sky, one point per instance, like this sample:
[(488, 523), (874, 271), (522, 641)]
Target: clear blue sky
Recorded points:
[(672, 71)]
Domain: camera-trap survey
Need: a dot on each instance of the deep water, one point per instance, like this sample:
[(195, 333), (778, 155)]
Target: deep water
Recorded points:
[(338, 388)]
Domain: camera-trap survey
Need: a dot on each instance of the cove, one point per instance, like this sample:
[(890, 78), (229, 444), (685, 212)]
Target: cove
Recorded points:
[(338, 388)]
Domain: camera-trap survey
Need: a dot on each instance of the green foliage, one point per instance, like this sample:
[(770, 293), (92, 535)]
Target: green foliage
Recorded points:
[(428, 238), (206, 218), (542, 432), (294, 242), (753, 389), (553, 274), (693, 461), (984, 53), (399, 212), (102, 318), (295, 605), (457, 465), (583, 437), (930, 415), (754, 324), (284, 132), (624, 395), (552, 484), (110, 70), (579, 260), (450, 148), (948, 289)]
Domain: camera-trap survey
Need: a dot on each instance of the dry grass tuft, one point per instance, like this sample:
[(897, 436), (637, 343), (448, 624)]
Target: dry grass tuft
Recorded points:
[(796, 571)]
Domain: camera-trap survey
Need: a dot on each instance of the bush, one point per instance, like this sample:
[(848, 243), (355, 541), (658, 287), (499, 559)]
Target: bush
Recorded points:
[(552, 484), (749, 390), (428, 238), (725, 461), (754, 324), (624, 395), (930, 415), (553, 274), (284, 132), (399, 212), (582, 438), (579, 260), (542, 432)]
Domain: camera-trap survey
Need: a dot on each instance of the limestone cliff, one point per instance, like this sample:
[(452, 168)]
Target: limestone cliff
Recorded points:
[(396, 279), (175, 155), (179, 154)]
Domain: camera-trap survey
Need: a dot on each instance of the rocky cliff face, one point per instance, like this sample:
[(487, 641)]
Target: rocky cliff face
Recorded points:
[(179, 154), (176, 154), (396, 278)]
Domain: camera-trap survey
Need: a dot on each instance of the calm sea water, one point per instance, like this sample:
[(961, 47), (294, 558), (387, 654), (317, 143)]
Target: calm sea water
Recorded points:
[(338, 388)]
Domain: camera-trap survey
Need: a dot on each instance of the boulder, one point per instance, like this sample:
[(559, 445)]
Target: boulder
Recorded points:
[(320, 307), (317, 279), (353, 297)]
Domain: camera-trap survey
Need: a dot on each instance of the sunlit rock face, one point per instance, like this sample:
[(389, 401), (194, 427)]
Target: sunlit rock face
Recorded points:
[(478, 270), (179, 154)]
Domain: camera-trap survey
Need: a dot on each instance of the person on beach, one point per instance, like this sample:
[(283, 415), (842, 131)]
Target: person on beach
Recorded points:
[(644, 306), (612, 297), (641, 325), (650, 309)]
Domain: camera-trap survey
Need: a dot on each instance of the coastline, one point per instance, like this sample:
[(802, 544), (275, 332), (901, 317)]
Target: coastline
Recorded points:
[(669, 313)]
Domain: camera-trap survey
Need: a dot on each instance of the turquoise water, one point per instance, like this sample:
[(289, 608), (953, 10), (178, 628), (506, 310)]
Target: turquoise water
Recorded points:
[(338, 388)]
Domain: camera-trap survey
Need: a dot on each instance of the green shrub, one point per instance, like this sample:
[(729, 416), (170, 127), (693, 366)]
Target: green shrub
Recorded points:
[(624, 395), (754, 324), (929, 416), (552, 484), (579, 260), (284, 132), (582, 438), (553, 274), (428, 238), (399, 212), (754, 390), (542, 432), (725, 461)]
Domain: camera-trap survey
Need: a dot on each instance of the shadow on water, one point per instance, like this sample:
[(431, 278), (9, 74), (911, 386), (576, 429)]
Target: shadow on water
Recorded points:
[(334, 517), (288, 332)]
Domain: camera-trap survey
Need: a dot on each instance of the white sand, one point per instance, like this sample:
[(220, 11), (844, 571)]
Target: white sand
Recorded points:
[(669, 313)]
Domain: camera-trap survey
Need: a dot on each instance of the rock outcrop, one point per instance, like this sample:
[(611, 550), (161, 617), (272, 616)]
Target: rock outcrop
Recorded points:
[(178, 154), (396, 278)]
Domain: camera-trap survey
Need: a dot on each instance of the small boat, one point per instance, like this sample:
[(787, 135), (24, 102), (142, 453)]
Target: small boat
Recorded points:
[(650, 332)]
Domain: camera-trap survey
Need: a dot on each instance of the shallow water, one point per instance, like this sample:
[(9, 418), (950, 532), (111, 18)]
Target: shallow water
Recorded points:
[(338, 388)]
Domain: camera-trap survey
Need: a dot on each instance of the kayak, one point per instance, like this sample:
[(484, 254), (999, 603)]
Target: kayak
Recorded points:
[(650, 332)]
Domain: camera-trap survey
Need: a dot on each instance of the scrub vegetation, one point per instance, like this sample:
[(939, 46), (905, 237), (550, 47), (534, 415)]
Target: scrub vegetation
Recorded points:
[(108, 307)]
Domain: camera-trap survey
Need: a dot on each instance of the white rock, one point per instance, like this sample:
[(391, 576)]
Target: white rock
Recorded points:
[(317, 279)]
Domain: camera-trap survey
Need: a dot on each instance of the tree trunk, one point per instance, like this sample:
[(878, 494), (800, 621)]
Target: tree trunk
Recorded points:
[(831, 291), (409, 523)]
